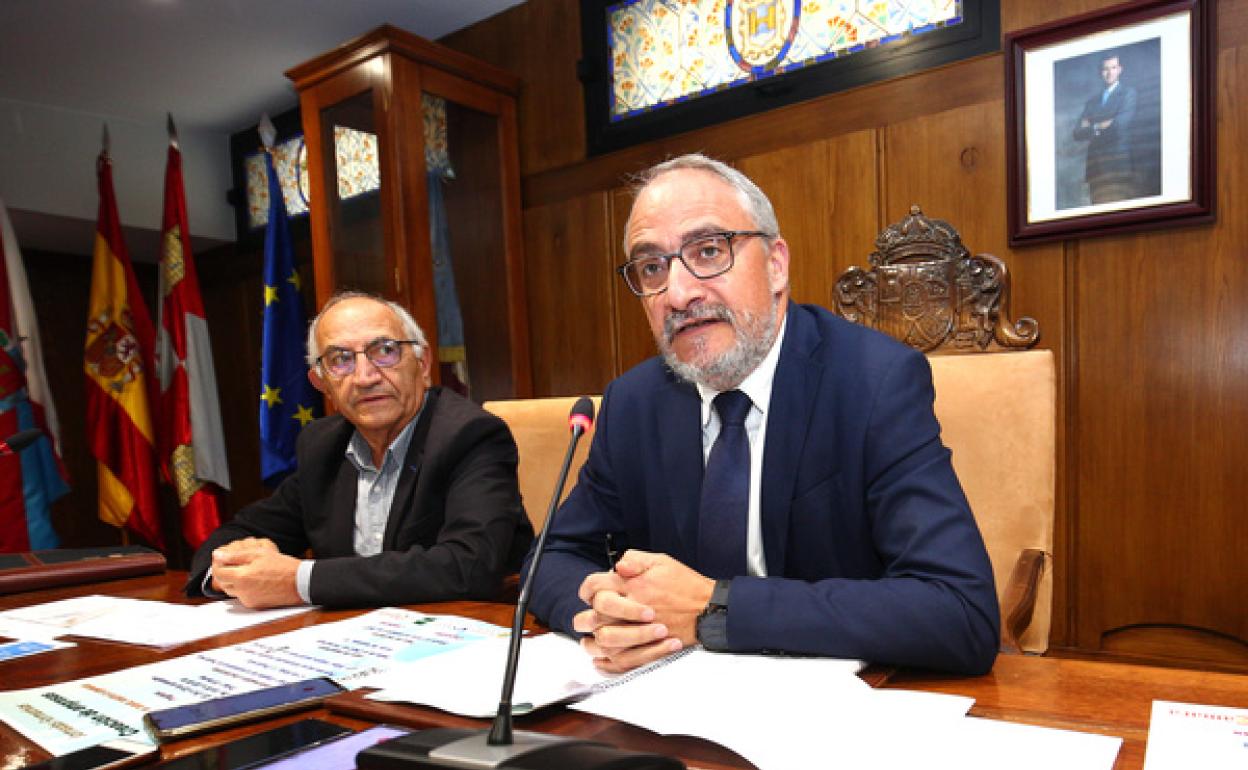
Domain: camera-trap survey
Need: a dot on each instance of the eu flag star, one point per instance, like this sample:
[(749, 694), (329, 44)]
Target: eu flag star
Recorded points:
[(270, 295), (303, 414), (271, 396), (294, 279)]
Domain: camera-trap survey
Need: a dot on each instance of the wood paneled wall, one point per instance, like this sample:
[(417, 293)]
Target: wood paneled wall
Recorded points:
[(1150, 330)]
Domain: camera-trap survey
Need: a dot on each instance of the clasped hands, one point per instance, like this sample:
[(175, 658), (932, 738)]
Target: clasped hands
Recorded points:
[(645, 609), (256, 573)]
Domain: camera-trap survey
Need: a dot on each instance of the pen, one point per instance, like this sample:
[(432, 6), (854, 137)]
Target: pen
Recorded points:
[(611, 553)]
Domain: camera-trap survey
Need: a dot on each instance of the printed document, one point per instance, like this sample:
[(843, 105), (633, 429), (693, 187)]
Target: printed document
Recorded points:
[(73, 715), (1184, 735)]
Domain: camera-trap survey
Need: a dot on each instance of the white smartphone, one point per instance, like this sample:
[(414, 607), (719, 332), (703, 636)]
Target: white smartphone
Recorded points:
[(104, 756)]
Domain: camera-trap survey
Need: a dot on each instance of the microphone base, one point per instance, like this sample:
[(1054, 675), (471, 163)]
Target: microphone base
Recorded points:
[(470, 750)]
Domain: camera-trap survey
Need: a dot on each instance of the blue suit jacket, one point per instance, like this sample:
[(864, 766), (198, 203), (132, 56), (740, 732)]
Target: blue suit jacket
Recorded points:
[(871, 548)]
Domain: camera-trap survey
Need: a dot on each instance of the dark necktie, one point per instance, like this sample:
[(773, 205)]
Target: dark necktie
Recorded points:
[(725, 508)]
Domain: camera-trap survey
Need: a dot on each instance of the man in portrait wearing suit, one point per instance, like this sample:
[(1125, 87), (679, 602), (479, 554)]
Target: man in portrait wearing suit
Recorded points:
[(408, 494), (775, 481), (1107, 124)]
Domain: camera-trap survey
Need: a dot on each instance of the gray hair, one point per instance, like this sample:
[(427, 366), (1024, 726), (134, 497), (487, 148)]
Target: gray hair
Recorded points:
[(753, 200), (411, 329)]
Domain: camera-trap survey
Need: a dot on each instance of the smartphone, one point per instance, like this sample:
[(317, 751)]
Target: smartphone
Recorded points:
[(194, 718), (117, 753), (254, 750)]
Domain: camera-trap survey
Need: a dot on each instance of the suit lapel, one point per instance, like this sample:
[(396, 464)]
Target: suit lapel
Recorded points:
[(680, 456), (342, 499), (793, 394), (400, 506)]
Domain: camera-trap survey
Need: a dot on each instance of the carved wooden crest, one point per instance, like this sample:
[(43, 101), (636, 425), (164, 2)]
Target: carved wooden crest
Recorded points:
[(925, 289)]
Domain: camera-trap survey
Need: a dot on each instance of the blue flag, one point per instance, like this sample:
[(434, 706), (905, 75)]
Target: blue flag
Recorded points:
[(287, 400)]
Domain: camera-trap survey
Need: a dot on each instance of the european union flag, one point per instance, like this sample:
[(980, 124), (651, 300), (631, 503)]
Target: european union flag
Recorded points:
[(288, 401)]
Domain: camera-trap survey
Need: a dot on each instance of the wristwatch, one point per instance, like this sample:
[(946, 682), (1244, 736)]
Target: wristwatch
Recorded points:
[(712, 623)]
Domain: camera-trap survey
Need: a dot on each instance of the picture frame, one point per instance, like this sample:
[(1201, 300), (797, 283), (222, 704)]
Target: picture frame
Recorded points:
[(1109, 122)]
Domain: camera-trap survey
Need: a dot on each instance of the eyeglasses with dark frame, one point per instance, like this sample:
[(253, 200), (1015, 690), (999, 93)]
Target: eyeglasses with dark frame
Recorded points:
[(705, 255), (382, 352)]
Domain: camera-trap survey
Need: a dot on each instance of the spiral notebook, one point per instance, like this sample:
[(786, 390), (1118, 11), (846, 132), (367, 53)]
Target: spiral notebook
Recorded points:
[(553, 669)]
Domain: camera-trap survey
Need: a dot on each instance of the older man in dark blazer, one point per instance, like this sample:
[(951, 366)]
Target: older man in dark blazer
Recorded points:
[(842, 531), (408, 494)]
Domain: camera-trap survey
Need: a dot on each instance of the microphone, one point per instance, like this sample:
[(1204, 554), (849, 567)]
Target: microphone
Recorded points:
[(499, 747), (22, 439)]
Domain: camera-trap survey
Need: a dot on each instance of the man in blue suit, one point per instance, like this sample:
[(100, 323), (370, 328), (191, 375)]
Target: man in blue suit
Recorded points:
[(775, 481), (1107, 124)]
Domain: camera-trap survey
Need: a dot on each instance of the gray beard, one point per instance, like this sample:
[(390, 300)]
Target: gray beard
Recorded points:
[(754, 337)]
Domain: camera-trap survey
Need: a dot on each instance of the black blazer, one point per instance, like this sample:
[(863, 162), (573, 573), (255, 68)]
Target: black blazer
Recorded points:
[(456, 524)]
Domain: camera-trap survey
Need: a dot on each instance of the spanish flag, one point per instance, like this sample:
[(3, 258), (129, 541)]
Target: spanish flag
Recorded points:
[(118, 365), (192, 443)]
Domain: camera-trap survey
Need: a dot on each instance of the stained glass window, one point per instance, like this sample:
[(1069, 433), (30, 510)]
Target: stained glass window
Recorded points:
[(667, 51), (291, 161), (654, 68), (355, 153)]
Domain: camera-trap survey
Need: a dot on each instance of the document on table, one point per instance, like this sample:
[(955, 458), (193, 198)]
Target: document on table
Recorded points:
[(73, 715), (140, 621), (469, 681), (778, 712), (1183, 735), (554, 669)]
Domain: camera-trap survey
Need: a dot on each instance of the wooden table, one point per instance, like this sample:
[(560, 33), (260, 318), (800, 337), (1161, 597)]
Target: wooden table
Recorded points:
[(1107, 698)]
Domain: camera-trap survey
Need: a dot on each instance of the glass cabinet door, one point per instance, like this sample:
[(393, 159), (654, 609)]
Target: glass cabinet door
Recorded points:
[(414, 169), (353, 194), (466, 232)]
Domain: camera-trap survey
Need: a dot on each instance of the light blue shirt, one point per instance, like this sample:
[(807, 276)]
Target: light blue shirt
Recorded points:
[(374, 494)]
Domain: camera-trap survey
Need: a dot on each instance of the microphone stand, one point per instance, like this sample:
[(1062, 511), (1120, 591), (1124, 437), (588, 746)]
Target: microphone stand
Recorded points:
[(500, 747), (500, 731)]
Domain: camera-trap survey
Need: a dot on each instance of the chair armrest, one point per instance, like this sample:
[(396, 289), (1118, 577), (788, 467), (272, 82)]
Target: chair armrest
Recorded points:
[(1019, 600)]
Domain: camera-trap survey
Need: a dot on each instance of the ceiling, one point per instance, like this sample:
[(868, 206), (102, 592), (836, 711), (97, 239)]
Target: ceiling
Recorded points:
[(216, 65)]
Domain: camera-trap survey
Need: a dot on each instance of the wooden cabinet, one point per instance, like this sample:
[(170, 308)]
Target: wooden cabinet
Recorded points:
[(374, 89)]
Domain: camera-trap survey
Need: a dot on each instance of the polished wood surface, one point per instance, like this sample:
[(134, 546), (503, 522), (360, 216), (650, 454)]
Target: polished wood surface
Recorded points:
[(1088, 696)]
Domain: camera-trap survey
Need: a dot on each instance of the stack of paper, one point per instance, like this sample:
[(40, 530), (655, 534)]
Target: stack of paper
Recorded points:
[(777, 712)]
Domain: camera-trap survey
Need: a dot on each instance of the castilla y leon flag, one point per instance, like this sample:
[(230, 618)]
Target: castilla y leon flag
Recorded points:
[(191, 441), (32, 478), (118, 366)]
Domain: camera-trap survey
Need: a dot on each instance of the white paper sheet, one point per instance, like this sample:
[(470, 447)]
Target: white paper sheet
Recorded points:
[(142, 622), (1186, 735), (468, 681)]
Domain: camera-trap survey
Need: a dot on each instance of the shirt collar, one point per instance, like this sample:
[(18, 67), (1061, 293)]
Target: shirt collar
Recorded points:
[(360, 454), (756, 385)]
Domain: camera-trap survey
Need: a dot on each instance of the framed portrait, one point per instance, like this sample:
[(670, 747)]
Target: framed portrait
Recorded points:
[(1109, 121)]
